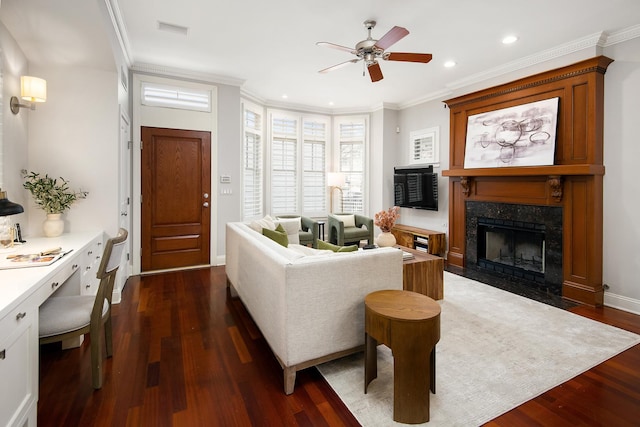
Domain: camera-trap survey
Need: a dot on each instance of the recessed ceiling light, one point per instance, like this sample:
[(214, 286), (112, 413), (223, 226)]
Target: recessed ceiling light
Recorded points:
[(509, 39), (330, 102), (285, 96), (450, 64)]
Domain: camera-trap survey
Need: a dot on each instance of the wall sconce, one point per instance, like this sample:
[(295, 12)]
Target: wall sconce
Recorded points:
[(32, 89), (335, 180)]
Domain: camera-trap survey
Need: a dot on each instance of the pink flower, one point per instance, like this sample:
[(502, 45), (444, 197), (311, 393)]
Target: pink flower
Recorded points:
[(386, 219)]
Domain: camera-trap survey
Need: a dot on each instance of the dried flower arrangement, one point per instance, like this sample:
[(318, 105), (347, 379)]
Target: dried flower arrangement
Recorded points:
[(386, 219)]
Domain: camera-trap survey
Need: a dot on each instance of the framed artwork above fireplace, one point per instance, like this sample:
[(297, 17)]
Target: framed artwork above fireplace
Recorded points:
[(523, 135)]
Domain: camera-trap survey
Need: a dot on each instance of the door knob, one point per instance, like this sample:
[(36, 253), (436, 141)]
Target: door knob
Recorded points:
[(205, 204), (206, 195)]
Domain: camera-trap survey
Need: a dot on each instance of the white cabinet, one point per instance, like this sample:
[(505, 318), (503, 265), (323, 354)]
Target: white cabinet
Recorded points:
[(19, 365), (90, 262), (22, 291)]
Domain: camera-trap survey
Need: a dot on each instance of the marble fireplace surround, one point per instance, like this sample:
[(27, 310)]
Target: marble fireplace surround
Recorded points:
[(573, 183)]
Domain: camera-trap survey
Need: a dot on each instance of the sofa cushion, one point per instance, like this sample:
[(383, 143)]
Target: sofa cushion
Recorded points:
[(291, 226), (335, 248), (266, 222), (347, 220), (278, 235)]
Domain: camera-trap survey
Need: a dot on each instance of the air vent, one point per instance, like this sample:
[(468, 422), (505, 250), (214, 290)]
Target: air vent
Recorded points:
[(173, 28)]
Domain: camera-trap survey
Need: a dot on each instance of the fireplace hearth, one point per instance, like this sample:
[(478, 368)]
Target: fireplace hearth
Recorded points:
[(522, 242)]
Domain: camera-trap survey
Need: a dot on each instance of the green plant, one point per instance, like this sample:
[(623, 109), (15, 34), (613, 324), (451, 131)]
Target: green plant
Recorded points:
[(53, 195)]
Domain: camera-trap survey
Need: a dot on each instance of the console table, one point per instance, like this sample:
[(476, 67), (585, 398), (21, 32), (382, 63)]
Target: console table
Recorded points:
[(433, 242), (22, 291)]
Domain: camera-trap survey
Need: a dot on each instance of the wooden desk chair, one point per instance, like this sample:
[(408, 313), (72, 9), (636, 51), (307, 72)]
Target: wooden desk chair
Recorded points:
[(71, 316)]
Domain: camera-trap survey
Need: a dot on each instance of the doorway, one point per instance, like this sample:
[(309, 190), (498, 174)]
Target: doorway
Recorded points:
[(176, 203)]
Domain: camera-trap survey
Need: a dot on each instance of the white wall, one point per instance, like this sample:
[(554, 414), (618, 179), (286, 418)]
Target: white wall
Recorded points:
[(423, 116), (75, 135), (622, 159), (13, 132)]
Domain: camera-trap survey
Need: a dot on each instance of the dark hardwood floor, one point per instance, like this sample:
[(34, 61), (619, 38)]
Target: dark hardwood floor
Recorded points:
[(186, 354)]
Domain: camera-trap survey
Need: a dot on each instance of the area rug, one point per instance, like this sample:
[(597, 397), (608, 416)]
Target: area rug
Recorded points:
[(497, 350)]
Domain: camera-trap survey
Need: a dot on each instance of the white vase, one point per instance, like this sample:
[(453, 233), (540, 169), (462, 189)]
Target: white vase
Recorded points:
[(386, 238), (53, 226)]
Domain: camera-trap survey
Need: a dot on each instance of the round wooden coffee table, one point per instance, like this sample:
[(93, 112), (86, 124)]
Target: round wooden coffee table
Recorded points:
[(409, 324)]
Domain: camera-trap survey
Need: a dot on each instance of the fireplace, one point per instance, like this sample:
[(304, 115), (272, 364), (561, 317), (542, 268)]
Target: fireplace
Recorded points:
[(515, 248), (523, 242)]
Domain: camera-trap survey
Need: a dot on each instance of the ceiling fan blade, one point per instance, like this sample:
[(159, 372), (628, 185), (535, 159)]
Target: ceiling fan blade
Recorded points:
[(336, 46), (408, 57), (342, 64), (392, 36), (375, 72)]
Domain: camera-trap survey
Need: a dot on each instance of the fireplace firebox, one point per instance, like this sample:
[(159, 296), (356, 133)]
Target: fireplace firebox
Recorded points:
[(514, 248), (521, 242)]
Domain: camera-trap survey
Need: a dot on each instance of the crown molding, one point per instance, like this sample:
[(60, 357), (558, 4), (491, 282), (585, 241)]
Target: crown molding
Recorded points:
[(623, 35), (434, 96), (164, 71), (120, 31), (591, 41)]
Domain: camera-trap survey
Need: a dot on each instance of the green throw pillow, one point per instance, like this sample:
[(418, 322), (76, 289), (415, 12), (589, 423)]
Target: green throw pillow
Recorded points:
[(335, 248), (278, 235)]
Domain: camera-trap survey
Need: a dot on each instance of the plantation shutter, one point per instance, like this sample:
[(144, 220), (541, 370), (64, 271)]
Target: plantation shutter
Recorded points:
[(352, 163), (252, 165), (284, 184), (314, 168)]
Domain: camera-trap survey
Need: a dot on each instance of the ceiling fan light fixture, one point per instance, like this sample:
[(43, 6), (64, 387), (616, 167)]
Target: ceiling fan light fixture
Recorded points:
[(371, 50)]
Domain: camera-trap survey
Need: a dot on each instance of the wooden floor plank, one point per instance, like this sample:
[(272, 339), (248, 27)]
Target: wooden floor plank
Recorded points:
[(187, 354)]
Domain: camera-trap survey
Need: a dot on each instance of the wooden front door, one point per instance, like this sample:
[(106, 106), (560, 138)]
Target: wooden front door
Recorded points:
[(176, 188)]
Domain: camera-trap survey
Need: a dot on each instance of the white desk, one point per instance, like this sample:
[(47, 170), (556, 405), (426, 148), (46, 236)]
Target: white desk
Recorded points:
[(22, 291)]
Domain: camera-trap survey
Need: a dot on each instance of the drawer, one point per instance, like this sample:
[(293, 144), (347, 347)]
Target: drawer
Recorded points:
[(15, 322), (90, 265), (54, 284)]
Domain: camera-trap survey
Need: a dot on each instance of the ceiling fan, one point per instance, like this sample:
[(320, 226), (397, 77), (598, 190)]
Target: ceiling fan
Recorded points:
[(370, 50)]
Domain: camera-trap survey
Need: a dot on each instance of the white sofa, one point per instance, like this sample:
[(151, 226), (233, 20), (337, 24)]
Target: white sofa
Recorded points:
[(310, 308)]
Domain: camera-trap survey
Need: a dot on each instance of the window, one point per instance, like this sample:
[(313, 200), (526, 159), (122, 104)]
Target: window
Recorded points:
[(159, 95), (284, 180), (252, 175), (298, 153), (314, 187), (352, 142)]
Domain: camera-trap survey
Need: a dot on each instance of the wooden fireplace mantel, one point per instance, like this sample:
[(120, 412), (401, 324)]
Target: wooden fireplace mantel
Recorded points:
[(574, 181), (528, 171)]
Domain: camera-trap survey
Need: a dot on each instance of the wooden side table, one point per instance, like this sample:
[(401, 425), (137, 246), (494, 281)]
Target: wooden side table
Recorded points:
[(409, 324), (424, 273)]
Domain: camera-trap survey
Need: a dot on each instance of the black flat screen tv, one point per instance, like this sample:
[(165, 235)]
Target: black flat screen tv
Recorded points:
[(415, 187)]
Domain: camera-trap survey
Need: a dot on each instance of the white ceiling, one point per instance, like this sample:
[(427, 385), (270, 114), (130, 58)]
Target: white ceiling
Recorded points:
[(269, 46)]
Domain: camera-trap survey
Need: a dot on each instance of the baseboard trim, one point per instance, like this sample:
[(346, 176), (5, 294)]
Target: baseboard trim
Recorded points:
[(622, 303)]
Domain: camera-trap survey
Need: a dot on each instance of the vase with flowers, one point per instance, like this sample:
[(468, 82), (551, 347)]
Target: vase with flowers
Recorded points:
[(54, 196), (386, 220)]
